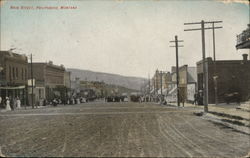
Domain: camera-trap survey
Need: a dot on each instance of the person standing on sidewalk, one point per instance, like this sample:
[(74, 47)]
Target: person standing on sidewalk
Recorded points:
[(195, 98), (18, 103), (8, 104), (182, 99), (11, 99)]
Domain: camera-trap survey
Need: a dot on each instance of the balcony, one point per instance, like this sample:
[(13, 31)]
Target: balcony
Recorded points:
[(243, 39)]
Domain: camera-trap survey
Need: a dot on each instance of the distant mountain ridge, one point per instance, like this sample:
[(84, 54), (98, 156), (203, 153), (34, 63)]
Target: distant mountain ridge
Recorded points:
[(115, 79)]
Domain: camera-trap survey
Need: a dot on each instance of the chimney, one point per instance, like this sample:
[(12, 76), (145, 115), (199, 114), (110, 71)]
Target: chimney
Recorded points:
[(244, 57)]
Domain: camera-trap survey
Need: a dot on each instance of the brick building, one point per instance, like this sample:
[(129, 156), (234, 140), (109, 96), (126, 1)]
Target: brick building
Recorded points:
[(160, 78), (13, 75), (49, 80), (227, 76)]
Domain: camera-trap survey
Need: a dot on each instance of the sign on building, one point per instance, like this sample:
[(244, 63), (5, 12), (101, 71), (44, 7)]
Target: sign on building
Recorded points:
[(30, 82), (190, 92)]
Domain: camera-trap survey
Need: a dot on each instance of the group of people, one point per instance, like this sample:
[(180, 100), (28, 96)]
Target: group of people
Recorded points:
[(69, 101), (198, 98), (10, 103)]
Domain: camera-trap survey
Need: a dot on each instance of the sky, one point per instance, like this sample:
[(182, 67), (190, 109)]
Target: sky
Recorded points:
[(126, 37)]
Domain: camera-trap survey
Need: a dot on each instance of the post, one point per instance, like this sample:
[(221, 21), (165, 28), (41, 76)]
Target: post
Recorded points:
[(161, 85), (32, 86), (215, 73), (205, 92), (177, 70), (213, 42), (149, 84), (149, 95)]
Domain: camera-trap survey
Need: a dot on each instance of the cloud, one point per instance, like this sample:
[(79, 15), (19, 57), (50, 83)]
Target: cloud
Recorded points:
[(235, 1)]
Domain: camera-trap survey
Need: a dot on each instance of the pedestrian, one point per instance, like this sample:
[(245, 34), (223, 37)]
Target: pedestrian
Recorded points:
[(11, 99), (18, 102), (195, 99), (15, 102), (8, 108), (200, 97), (44, 102), (182, 99), (54, 102)]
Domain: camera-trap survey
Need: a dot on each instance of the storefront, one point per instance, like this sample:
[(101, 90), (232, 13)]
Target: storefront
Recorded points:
[(13, 92)]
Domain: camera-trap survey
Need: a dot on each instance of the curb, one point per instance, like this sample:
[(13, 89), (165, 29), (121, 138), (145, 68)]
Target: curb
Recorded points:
[(238, 125)]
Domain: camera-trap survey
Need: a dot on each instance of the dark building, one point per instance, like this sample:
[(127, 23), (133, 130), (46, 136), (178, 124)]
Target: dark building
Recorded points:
[(13, 75), (228, 76)]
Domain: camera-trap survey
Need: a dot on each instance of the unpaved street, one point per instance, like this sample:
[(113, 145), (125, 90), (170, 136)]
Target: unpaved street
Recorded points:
[(116, 129)]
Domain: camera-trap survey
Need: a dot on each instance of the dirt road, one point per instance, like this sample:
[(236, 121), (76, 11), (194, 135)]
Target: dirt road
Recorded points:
[(116, 129)]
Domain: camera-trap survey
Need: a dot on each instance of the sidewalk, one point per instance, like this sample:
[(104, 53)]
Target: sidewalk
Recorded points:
[(231, 109), (230, 115), (26, 108)]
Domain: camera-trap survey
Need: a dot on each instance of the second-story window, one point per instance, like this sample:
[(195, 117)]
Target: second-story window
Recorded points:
[(13, 71), (10, 72), (25, 74), (22, 73)]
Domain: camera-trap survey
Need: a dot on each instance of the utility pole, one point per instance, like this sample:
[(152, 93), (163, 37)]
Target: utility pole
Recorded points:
[(32, 86), (215, 71), (149, 96), (177, 67), (205, 68), (161, 81), (148, 84), (161, 84)]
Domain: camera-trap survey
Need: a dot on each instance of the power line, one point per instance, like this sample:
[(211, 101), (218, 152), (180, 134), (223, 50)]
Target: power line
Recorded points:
[(205, 73)]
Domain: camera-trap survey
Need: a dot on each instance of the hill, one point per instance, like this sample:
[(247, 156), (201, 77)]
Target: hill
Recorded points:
[(113, 79)]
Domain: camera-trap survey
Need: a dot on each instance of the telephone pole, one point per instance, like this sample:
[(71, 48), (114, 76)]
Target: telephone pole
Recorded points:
[(215, 71), (177, 67), (161, 84), (205, 73), (149, 95), (32, 86), (148, 84)]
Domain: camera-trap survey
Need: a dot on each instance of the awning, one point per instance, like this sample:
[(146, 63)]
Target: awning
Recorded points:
[(152, 91), (10, 88), (164, 91), (173, 90)]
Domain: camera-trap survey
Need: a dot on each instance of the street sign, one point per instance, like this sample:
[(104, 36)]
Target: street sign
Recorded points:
[(30, 82)]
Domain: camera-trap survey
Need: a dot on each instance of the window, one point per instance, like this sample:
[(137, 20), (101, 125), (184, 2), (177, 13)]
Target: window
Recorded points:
[(25, 74), (13, 71), (16, 72), (10, 72), (40, 94), (22, 73)]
